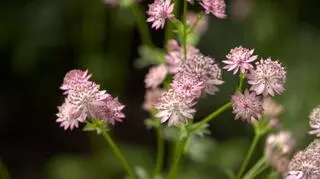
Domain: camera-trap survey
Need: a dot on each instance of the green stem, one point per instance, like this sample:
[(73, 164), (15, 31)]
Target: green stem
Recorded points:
[(160, 152), (242, 77), (259, 167), (178, 155), (248, 156), (169, 29), (119, 154), (185, 27), (210, 117), (142, 25)]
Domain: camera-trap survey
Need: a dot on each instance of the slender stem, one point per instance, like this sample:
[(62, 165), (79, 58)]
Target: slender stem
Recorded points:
[(185, 27), (169, 28), (160, 152), (259, 167), (142, 24), (248, 156), (210, 116), (242, 77), (119, 154), (179, 152)]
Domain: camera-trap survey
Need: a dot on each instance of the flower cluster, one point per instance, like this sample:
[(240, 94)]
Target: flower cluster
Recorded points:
[(267, 78), (159, 11), (247, 106), (175, 56), (84, 100), (315, 121), (205, 70), (215, 7), (272, 110), (155, 76), (277, 148), (306, 163), (196, 76), (239, 59)]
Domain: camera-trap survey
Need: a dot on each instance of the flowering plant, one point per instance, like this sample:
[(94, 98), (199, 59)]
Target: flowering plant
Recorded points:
[(180, 77)]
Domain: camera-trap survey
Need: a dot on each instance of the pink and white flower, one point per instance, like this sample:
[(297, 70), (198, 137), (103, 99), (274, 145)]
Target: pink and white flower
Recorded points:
[(155, 76), (159, 11), (174, 108), (215, 7), (268, 78), (247, 106), (239, 59)]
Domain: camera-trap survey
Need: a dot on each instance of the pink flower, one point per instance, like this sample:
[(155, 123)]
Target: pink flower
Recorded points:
[(69, 116), (155, 76), (295, 175), (175, 55), (201, 25), (174, 108), (268, 78), (305, 164), (215, 7), (159, 11), (151, 98), (205, 70), (83, 94), (314, 121), (239, 58), (109, 110), (188, 86), (247, 106), (74, 77), (281, 143)]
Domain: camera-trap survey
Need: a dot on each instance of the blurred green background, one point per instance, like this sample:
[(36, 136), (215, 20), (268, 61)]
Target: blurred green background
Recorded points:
[(40, 40)]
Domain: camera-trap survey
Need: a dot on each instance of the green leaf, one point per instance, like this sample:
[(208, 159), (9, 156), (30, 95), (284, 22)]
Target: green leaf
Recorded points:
[(150, 56), (152, 123), (97, 126)]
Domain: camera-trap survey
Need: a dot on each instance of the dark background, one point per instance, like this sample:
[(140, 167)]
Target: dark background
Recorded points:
[(40, 40)]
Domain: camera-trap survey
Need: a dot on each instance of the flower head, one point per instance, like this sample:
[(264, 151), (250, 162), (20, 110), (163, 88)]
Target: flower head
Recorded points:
[(215, 7), (155, 76), (151, 98), (202, 24), (188, 86), (272, 110), (247, 106), (174, 108), (314, 121), (268, 78), (159, 11), (205, 70), (239, 59), (69, 116), (74, 77), (305, 164), (175, 56), (109, 110), (83, 94), (281, 143)]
